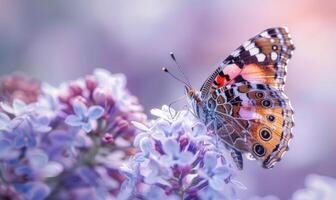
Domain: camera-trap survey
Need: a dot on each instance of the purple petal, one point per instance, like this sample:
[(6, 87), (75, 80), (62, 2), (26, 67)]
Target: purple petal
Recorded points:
[(153, 177), (80, 109), (73, 120), (139, 157), (38, 160), (4, 121), (19, 142), (171, 147), (217, 183), (31, 141), (186, 158), (42, 128), (138, 138), (95, 112), (41, 124), (146, 145), (5, 147), (199, 129), (87, 127), (24, 170), (222, 172), (38, 191), (210, 160)]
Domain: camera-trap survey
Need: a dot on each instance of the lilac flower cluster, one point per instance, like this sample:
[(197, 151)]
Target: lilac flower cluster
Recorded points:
[(317, 188), (66, 142), (178, 158)]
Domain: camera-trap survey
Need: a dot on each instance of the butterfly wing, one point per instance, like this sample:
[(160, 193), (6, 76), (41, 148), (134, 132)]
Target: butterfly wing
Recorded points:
[(255, 118), (262, 59)]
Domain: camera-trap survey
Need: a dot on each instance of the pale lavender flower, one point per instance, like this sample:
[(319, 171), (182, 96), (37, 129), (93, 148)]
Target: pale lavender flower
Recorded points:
[(84, 117), (9, 192), (33, 190), (174, 163), (5, 122), (46, 151), (268, 197), (317, 188), (18, 86), (17, 108)]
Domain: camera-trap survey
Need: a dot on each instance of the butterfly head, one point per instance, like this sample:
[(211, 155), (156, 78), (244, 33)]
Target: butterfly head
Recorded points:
[(193, 94)]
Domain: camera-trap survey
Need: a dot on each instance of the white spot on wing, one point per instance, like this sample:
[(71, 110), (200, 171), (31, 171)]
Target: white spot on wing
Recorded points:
[(254, 51), (274, 56), (260, 57), (250, 46), (265, 34), (235, 53), (246, 43)]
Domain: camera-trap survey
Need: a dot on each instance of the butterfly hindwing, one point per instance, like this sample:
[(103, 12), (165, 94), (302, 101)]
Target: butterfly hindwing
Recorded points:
[(262, 59), (254, 118)]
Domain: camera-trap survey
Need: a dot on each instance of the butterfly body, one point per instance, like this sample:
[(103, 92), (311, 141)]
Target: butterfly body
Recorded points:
[(243, 100)]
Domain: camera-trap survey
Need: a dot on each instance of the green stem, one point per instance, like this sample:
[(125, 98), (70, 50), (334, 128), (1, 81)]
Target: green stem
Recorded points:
[(2, 179)]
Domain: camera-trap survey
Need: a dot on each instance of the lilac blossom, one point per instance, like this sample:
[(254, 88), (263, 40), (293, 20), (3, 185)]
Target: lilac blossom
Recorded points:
[(19, 86), (174, 163), (67, 142), (317, 187), (84, 117)]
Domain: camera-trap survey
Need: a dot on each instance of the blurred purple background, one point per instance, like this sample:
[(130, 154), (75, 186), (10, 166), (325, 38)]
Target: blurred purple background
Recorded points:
[(62, 40)]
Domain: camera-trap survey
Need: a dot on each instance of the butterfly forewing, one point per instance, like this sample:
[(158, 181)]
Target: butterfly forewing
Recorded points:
[(262, 59)]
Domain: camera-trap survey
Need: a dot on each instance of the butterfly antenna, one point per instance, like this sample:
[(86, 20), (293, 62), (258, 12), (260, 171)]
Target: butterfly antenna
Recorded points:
[(175, 77), (172, 55)]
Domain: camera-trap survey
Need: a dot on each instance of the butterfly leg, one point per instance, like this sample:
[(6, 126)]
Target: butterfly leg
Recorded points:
[(212, 125), (237, 158), (216, 133)]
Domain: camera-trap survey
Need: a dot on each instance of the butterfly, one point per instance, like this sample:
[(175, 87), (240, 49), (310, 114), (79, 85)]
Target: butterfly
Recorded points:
[(243, 100)]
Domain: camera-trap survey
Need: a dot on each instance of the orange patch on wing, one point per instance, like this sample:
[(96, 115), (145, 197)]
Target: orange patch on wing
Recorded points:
[(259, 74), (253, 72)]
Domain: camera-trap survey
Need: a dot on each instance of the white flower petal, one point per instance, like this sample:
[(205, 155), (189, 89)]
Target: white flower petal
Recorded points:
[(7, 108), (210, 160), (171, 147), (52, 169), (186, 158), (216, 183), (140, 126), (146, 145), (19, 106)]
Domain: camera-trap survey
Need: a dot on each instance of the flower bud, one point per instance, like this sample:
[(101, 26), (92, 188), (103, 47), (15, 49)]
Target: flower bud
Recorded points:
[(99, 96), (90, 83)]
